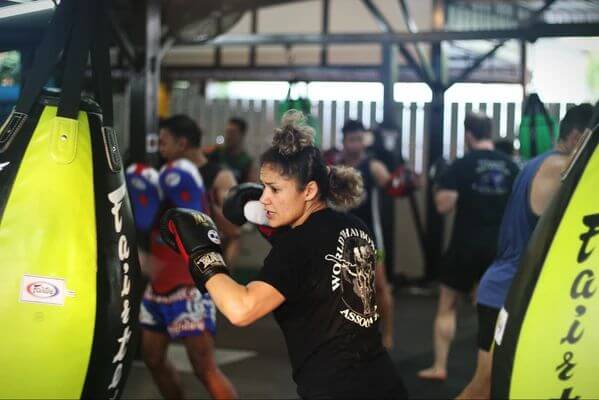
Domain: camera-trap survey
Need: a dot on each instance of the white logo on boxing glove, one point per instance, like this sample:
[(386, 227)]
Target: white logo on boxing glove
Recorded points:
[(213, 236)]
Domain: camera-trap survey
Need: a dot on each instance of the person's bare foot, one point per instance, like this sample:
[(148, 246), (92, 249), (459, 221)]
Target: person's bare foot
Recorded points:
[(433, 374)]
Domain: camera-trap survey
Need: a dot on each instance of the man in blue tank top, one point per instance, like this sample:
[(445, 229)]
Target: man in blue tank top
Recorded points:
[(533, 190)]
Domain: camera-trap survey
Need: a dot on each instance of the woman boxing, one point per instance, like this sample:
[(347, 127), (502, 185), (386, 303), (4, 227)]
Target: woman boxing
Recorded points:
[(318, 278)]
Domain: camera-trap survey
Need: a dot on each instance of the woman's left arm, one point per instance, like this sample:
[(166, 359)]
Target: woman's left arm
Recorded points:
[(242, 305)]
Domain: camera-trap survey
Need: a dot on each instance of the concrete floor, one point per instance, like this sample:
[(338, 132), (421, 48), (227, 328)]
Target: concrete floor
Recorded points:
[(255, 358)]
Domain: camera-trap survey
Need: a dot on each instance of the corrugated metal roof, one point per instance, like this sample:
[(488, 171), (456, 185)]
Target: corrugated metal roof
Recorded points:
[(485, 14)]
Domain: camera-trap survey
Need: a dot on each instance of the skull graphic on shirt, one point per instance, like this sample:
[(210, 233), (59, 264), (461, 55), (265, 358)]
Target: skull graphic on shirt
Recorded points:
[(353, 274)]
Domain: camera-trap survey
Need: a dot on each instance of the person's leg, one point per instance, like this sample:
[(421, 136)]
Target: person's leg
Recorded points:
[(480, 385), (200, 350), (195, 325), (154, 347), (443, 333), (384, 301), (154, 344)]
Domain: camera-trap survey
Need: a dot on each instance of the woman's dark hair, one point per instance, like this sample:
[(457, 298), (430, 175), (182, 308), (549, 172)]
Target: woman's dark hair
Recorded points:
[(182, 126), (294, 155)]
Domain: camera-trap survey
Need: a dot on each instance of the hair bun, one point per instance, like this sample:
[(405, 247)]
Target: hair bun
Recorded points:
[(294, 134), (346, 188)]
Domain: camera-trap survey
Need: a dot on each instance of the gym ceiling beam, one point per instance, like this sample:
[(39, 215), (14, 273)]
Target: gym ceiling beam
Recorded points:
[(528, 21), (531, 33), (385, 26), (413, 28)]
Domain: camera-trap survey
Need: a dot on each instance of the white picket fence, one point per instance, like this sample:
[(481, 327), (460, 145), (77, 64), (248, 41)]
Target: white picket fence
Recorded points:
[(412, 118), (212, 116)]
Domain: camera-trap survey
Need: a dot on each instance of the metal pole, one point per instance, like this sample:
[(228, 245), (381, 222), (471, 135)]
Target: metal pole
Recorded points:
[(388, 129), (253, 29), (144, 92), (389, 72), (523, 67), (325, 30), (412, 28), (532, 32), (385, 26), (434, 221)]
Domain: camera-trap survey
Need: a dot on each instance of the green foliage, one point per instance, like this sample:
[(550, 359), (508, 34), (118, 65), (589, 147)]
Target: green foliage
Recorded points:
[(593, 74)]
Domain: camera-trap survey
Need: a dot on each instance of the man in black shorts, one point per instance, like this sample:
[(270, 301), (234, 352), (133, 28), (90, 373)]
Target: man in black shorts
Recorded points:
[(477, 186)]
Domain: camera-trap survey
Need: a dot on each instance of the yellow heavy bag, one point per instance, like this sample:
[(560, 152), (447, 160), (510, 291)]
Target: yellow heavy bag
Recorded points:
[(69, 272), (547, 335)]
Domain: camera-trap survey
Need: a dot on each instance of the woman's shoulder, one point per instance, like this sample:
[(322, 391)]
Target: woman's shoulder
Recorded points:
[(335, 221), (325, 223)]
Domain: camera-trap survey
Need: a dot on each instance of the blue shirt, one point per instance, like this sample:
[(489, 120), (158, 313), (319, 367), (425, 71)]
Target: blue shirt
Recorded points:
[(517, 225)]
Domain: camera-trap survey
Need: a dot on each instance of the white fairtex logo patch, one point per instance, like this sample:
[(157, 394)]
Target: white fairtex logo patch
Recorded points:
[(116, 199), (44, 290), (3, 165)]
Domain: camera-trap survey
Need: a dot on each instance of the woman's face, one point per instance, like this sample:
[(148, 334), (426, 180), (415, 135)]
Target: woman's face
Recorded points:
[(284, 203)]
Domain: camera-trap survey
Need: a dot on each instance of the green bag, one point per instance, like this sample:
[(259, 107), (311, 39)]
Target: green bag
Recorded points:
[(538, 131), (71, 283)]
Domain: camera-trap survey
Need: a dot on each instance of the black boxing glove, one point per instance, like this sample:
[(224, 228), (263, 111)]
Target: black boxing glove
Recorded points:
[(242, 205), (193, 235)]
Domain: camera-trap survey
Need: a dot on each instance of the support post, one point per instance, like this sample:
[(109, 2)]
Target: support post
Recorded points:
[(523, 66), (144, 91), (253, 30), (325, 30), (434, 222), (389, 72)]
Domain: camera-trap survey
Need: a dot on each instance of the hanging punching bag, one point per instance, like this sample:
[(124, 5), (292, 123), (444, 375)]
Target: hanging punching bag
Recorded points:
[(546, 336), (537, 129), (69, 272)]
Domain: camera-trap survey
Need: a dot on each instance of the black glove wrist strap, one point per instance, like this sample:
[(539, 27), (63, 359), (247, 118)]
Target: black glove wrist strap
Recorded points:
[(204, 266)]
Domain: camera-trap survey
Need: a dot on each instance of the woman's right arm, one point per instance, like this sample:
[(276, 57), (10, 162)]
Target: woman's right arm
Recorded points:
[(194, 236), (242, 305)]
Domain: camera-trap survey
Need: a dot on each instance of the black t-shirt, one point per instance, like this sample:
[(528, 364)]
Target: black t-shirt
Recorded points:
[(209, 171), (325, 269), (365, 211), (483, 180)]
